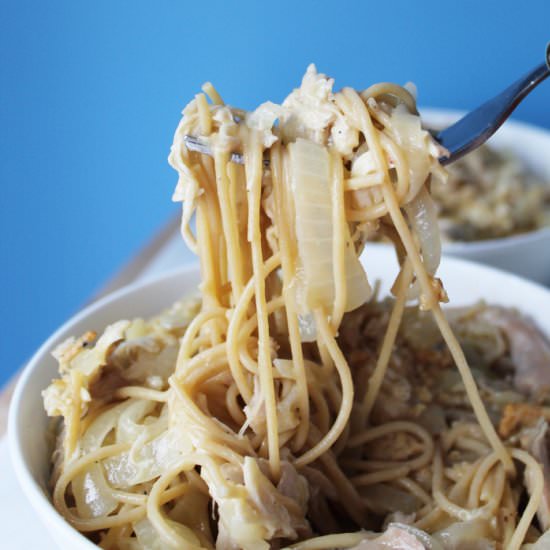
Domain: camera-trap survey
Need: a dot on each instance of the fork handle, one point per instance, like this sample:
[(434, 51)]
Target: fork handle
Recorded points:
[(479, 125)]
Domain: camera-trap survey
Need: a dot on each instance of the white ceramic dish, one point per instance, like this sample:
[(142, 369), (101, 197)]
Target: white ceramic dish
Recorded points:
[(27, 423), (527, 254), (466, 282)]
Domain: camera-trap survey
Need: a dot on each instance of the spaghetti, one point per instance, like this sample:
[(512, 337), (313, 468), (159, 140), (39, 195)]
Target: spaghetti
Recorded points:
[(255, 417)]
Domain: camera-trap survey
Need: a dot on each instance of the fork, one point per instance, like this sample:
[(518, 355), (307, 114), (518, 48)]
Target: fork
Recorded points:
[(466, 134)]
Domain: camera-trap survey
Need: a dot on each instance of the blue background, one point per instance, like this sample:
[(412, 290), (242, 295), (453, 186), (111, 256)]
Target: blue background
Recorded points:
[(91, 92)]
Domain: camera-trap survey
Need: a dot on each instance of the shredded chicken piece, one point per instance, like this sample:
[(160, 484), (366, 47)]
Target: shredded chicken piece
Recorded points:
[(394, 538), (71, 347), (253, 509), (77, 356), (529, 349), (520, 415)]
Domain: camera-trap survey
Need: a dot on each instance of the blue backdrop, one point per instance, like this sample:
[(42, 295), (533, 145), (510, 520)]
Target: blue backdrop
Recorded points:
[(91, 92)]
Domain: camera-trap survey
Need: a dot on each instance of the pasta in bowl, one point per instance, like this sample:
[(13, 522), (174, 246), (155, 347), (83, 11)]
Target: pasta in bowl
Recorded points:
[(30, 439), (292, 405)]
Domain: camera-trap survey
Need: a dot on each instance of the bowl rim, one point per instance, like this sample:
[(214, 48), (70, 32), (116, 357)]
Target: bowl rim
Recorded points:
[(31, 487), (501, 243)]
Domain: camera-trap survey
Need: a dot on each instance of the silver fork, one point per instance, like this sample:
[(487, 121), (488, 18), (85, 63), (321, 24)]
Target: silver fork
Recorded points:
[(466, 134)]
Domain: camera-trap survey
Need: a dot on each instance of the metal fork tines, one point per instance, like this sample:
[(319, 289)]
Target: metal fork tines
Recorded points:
[(199, 145)]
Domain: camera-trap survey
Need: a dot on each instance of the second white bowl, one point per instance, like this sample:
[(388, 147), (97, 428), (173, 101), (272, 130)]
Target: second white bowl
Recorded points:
[(526, 254)]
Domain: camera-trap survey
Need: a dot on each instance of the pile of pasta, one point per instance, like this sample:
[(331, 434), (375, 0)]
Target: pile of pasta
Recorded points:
[(241, 419)]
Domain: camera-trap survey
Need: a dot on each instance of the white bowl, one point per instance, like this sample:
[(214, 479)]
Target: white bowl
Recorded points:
[(526, 254), (27, 423), (465, 282)]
